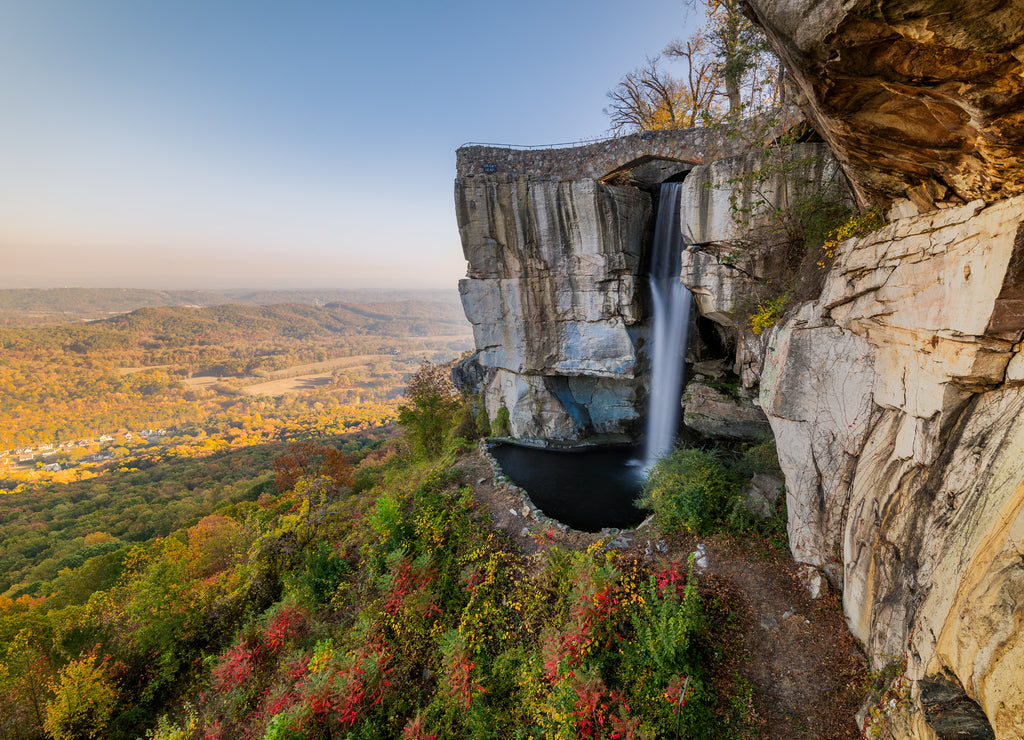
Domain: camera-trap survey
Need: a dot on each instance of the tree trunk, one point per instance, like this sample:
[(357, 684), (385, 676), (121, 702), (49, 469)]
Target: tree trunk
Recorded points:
[(732, 90)]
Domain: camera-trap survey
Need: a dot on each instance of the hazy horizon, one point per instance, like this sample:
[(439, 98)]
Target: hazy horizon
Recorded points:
[(189, 145), (214, 284)]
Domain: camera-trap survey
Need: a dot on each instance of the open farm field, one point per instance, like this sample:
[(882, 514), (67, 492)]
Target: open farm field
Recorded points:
[(175, 367), (282, 386)]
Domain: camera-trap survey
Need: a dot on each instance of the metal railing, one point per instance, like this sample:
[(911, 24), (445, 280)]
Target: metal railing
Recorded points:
[(563, 145), (649, 134)]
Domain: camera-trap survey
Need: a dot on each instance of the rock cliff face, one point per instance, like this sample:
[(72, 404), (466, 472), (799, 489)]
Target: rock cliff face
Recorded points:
[(552, 295), (897, 397), (556, 287), (711, 198), (920, 99), (897, 405)]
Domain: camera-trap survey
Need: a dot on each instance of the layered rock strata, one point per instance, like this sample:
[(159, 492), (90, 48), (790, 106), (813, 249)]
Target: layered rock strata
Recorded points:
[(920, 99), (899, 418), (552, 295)]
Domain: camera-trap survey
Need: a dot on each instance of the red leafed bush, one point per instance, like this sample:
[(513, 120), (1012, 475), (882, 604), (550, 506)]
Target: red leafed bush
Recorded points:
[(362, 685), (236, 666), (414, 730), (291, 620), (591, 707), (459, 684)]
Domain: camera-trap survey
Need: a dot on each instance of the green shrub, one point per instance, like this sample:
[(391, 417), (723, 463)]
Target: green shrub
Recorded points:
[(324, 572), (791, 250), (483, 422), (665, 627), (761, 457), (500, 425), (365, 478), (473, 422), (690, 489), (700, 490)]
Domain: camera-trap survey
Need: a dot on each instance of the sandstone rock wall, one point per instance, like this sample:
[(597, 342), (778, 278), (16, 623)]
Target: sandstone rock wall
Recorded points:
[(918, 98), (552, 296), (898, 417)]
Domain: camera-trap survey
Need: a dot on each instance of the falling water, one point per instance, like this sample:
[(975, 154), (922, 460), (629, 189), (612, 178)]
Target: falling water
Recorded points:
[(670, 324)]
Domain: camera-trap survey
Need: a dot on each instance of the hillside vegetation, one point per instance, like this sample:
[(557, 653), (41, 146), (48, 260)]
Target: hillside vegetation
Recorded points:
[(38, 306), (371, 601), (169, 366)]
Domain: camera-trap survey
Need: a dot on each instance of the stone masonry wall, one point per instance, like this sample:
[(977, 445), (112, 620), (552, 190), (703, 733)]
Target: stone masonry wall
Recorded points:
[(598, 160)]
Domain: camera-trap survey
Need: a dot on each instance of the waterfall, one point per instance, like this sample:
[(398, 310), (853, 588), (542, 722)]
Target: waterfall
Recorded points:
[(669, 327)]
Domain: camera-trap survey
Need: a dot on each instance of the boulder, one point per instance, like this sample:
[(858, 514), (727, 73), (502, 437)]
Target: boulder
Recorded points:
[(761, 493), (714, 413)]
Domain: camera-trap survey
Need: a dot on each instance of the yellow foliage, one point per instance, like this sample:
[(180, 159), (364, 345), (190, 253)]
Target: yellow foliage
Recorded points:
[(98, 538), (83, 701), (856, 225), (767, 313)]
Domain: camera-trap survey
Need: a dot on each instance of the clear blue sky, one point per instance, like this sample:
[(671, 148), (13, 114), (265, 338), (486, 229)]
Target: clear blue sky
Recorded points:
[(222, 143)]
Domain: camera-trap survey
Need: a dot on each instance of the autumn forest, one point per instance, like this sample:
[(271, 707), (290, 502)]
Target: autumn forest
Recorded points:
[(272, 522)]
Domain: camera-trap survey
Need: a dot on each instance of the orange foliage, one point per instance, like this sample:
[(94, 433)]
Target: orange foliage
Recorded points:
[(311, 460)]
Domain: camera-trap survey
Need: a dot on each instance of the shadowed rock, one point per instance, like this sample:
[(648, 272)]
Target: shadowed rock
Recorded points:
[(920, 99)]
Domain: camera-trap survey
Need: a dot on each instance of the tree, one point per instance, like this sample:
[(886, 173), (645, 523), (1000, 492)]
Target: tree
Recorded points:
[(701, 81), (742, 55), (25, 671), (728, 60), (311, 460), (432, 405), (645, 99), (83, 703)]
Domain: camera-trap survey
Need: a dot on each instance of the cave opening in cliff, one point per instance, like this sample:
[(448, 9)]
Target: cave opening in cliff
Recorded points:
[(588, 488)]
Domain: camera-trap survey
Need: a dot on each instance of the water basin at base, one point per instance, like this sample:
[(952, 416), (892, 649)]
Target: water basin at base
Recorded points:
[(589, 488)]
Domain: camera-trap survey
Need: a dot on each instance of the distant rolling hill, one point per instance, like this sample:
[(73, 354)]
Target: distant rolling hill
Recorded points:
[(231, 321), (228, 327), (39, 306)]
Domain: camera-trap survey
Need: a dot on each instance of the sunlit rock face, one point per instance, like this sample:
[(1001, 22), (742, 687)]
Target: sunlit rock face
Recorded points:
[(898, 411), (918, 98), (552, 296)]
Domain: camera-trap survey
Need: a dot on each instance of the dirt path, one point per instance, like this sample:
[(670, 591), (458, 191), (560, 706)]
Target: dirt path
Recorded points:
[(805, 669)]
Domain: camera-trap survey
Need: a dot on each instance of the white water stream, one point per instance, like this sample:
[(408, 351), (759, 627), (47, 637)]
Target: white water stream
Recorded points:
[(669, 327)]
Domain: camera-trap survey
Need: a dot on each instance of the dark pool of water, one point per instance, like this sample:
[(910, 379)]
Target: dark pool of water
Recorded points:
[(588, 489)]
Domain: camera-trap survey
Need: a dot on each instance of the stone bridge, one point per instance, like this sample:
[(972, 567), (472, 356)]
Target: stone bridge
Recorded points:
[(605, 159)]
